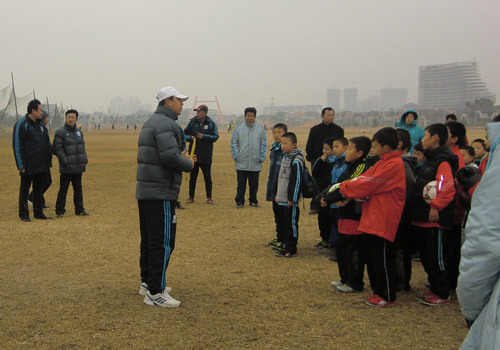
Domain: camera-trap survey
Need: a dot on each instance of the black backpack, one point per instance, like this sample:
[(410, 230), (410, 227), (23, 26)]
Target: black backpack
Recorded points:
[(306, 181)]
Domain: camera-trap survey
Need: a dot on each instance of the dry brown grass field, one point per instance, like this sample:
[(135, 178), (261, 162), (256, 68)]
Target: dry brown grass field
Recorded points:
[(73, 282)]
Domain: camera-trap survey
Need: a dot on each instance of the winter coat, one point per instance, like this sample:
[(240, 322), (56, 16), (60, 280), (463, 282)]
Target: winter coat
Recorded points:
[(289, 178), (204, 146), (249, 146), (31, 145), (478, 288), (69, 148), (416, 132), (384, 188), (322, 171), (159, 160), (314, 146), (275, 157)]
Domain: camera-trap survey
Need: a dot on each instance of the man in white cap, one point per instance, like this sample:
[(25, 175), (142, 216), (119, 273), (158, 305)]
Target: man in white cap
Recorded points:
[(160, 163)]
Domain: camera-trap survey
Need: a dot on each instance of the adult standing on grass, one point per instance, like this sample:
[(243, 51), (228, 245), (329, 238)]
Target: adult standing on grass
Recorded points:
[(204, 130), (31, 145), (314, 147), (248, 149), (160, 163), (69, 148)]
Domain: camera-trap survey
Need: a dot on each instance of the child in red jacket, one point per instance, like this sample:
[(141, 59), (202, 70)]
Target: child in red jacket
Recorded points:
[(383, 189)]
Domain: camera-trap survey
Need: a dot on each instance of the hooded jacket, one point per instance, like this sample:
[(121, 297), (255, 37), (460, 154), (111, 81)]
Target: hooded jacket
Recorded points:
[(478, 288), (275, 157), (159, 160), (249, 146), (31, 146), (69, 148), (289, 178), (416, 132), (204, 146)]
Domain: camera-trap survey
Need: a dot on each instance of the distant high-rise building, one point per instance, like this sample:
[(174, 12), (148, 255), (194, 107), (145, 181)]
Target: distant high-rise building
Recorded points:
[(393, 98), (350, 99), (119, 106), (450, 86), (333, 98)]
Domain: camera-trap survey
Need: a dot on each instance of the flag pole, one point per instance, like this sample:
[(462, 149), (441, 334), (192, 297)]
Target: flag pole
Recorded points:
[(14, 90)]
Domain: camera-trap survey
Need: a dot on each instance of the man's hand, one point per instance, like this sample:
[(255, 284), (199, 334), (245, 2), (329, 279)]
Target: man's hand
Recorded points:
[(433, 215), (192, 138), (199, 135), (322, 202)]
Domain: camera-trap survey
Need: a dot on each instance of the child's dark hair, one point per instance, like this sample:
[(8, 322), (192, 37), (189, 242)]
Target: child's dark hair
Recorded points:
[(469, 150), (342, 140), (452, 116), (362, 143), (250, 110), (404, 137), (418, 147), (281, 126), (387, 137), (440, 130), (481, 141), (291, 136), (329, 141), (457, 130)]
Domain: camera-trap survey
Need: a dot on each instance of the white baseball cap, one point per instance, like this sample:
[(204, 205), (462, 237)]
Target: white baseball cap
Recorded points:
[(169, 91)]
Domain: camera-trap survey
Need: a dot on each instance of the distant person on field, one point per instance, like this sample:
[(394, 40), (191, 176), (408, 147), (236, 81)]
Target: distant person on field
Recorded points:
[(47, 181), (204, 130), (288, 193), (314, 146), (479, 281), (69, 148), (451, 118), (409, 123), (248, 150), (275, 158), (160, 163), (31, 145)]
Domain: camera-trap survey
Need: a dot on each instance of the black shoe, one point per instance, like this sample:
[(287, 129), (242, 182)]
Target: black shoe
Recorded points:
[(178, 205), (46, 207), (25, 219), (313, 212), (285, 254), (239, 206), (83, 213), (256, 205), (43, 217), (59, 216)]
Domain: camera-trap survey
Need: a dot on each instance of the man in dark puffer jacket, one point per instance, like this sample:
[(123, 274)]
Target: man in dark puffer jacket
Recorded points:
[(69, 147)]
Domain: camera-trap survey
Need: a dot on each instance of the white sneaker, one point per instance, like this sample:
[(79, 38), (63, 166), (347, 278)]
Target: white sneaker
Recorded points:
[(345, 288), (161, 299), (336, 284), (143, 289)]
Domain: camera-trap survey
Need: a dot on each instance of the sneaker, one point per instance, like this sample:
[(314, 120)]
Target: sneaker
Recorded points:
[(189, 200), (377, 301), (59, 216), (143, 289), (83, 213), (272, 243), (279, 246), (239, 206), (210, 201), (161, 299), (319, 244), (284, 254), (345, 289), (178, 205), (255, 205), (336, 284), (313, 212), (435, 300), (26, 220), (30, 202), (424, 296), (43, 217)]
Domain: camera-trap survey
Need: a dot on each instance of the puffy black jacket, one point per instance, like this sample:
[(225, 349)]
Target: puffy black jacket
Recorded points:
[(159, 160), (317, 134), (205, 145), (31, 145), (69, 148)]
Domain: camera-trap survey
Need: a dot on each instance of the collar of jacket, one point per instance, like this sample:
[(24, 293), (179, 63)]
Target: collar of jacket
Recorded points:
[(337, 158), (355, 163), (70, 128), (327, 125), (206, 120), (166, 111), (251, 125), (31, 120), (276, 145), (331, 159), (295, 152), (390, 155)]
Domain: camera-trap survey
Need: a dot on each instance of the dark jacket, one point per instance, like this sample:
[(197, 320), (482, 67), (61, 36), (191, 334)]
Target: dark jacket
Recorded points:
[(69, 148), (289, 178), (205, 145), (159, 160), (317, 134), (427, 173), (322, 172), (411, 174), (275, 157), (31, 145)]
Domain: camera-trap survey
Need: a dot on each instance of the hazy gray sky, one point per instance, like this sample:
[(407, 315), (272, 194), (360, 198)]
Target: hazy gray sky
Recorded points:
[(83, 53)]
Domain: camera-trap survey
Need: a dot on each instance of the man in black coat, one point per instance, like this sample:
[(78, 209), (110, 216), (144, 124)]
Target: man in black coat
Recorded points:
[(31, 145), (204, 130), (69, 147), (314, 147)]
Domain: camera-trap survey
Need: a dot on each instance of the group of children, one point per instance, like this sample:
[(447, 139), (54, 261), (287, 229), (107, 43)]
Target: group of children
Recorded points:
[(380, 203)]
